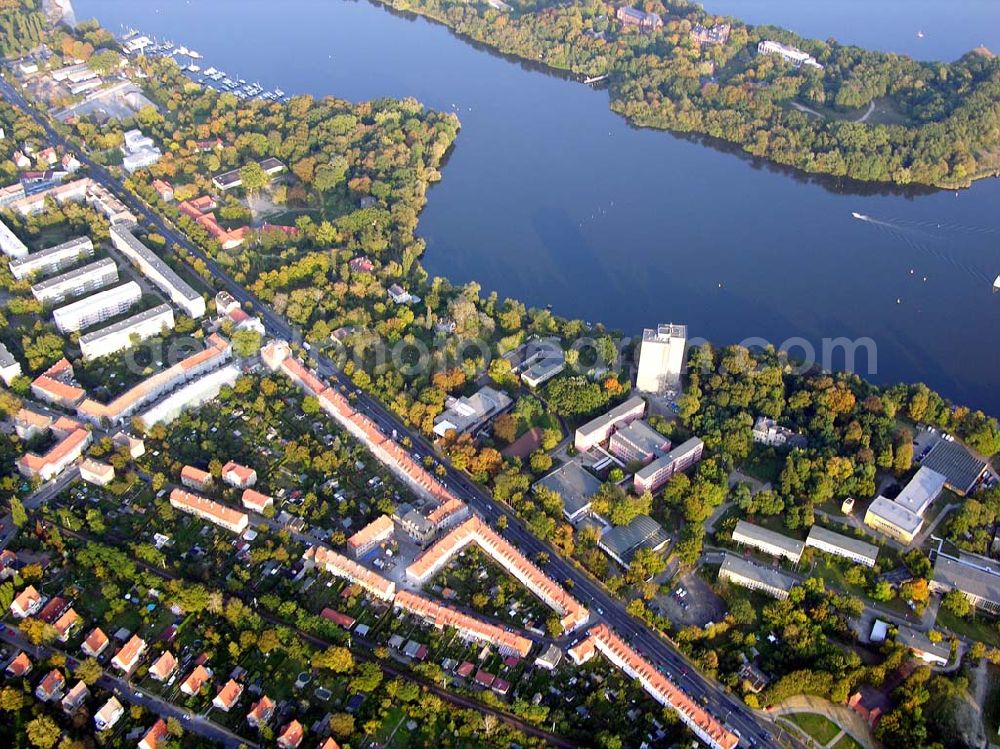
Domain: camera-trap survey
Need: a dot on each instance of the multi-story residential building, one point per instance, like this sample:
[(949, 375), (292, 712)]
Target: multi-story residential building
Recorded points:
[(9, 366), (164, 190), (191, 395), (207, 509), (195, 478), (767, 541), (468, 627), (343, 567), (90, 277), (72, 441), (11, 194), (123, 334), (238, 475), (638, 443), (858, 551), (373, 535), (52, 259), (718, 34), (10, 244), (157, 271), (601, 639), (474, 530), (901, 518), (68, 192), (29, 424), (791, 54), (256, 501), (55, 385), (661, 358), (96, 308), (100, 199), (467, 414), (656, 474), (755, 577), (599, 430), (216, 352), (97, 473)]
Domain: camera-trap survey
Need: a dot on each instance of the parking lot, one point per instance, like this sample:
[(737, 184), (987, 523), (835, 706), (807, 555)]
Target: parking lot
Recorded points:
[(691, 602)]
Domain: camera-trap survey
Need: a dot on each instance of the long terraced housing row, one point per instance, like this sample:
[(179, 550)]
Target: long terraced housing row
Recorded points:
[(660, 688)]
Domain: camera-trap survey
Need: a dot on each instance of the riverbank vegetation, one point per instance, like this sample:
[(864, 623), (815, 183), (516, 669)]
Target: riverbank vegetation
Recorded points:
[(944, 129)]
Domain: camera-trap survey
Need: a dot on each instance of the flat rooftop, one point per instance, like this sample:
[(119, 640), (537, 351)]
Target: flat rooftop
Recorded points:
[(624, 540), (176, 282), (574, 483), (764, 575), (678, 453), (750, 532), (895, 514), (848, 543), (79, 245), (126, 324), (664, 332), (981, 579), (952, 460), (642, 436), (70, 276), (616, 413), (921, 490)]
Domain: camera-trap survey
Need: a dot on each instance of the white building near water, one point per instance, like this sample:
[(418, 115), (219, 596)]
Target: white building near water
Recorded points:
[(97, 307), (661, 358), (793, 55)]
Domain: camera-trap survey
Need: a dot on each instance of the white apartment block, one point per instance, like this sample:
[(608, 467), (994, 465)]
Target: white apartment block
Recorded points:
[(858, 551), (10, 245), (90, 277), (191, 395), (739, 571), (767, 541), (661, 358), (793, 55), (119, 335), (140, 151), (157, 271), (52, 259), (9, 366), (96, 307)]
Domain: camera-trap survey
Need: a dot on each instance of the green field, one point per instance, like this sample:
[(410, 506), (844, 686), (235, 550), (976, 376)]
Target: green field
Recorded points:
[(846, 742), (821, 729), (981, 628)]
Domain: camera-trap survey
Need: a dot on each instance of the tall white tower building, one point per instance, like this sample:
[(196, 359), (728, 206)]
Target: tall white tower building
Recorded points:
[(661, 357)]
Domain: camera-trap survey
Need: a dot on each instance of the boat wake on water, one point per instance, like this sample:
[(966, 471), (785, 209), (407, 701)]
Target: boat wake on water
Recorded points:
[(924, 235)]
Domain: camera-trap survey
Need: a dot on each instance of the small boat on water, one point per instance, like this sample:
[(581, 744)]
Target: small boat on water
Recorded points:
[(996, 284), (859, 216)]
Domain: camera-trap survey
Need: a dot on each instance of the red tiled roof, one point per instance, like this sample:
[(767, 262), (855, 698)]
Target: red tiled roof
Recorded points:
[(341, 566), (196, 475), (20, 665), (228, 695), (337, 618), (291, 735), (376, 531), (195, 680), (96, 641), (126, 658), (255, 500), (163, 666), (154, 735)]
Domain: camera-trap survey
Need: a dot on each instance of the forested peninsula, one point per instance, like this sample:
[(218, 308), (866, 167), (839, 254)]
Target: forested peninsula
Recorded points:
[(854, 113)]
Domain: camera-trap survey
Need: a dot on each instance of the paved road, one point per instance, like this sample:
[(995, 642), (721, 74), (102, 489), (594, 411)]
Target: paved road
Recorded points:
[(191, 722), (604, 606)]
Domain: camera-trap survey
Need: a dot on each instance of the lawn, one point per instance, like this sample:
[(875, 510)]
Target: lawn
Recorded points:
[(820, 728), (981, 628), (846, 742)]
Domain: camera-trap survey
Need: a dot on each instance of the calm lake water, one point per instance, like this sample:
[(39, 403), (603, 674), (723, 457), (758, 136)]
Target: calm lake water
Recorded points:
[(550, 198)]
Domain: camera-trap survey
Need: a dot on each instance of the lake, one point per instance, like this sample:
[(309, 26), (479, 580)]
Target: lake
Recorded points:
[(550, 198)]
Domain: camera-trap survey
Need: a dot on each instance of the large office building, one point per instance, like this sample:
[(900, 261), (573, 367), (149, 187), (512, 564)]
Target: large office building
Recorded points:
[(10, 245), (119, 335), (660, 471), (840, 545), (901, 518), (575, 485), (599, 430), (467, 414), (52, 259), (661, 358), (621, 542), (739, 571), (975, 577), (638, 443), (97, 307), (157, 271), (90, 277), (767, 541), (960, 468)]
